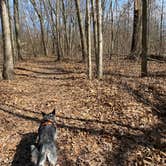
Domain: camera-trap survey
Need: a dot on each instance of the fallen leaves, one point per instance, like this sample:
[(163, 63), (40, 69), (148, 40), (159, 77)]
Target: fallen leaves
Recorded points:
[(109, 122)]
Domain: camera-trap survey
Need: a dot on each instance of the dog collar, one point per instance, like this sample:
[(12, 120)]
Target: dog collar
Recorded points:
[(47, 123)]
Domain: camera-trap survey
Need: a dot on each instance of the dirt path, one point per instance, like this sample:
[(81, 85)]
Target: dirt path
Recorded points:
[(119, 121)]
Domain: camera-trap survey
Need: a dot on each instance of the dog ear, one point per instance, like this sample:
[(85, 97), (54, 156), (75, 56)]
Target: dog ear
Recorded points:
[(43, 114), (53, 112)]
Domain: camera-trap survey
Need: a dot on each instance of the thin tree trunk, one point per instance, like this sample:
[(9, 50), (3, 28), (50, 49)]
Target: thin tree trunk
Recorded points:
[(89, 40), (11, 30), (57, 32), (65, 25), (53, 33), (82, 34), (33, 2), (149, 23), (100, 40), (31, 39), (17, 29), (8, 67), (144, 39), (161, 28), (136, 30), (112, 30), (53, 28), (43, 36), (95, 29), (70, 35)]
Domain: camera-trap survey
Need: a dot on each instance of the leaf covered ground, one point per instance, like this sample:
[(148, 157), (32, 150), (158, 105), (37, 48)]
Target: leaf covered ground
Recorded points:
[(120, 121)]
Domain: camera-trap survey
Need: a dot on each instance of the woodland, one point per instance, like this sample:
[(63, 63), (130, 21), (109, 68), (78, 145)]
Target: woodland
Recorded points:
[(101, 64)]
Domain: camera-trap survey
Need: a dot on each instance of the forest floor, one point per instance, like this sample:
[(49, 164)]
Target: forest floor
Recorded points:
[(120, 121)]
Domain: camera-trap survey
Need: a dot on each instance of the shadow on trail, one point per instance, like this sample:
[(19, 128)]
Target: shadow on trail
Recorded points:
[(48, 78), (117, 74), (161, 74), (152, 137), (158, 74), (148, 138), (52, 70), (23, 151), (110, 122), (56, 74), (22, 156), (16, 107), (12, 112)]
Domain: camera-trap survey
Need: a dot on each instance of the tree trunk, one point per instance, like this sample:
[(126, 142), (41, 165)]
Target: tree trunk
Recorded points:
[(17, 29), (31, 39), (112, 30), (65, 25), (100, 40), (33, 2), (43, 36), (89, 40), (53, 33), (161, 28), (57, 32), (136, 30), (53, 28), (82, 34), (144, 39), (11, 30), (95, 29), (8, 66)]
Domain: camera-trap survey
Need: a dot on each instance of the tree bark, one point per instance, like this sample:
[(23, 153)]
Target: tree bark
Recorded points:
[(136, 30), (95, 29), (55, 43), (144, 39), (65, 25), (112, 30), (59, 50), (8, 67), (161, 28), (11, 31), (100, 40), (89, 40), (17, 29), (82, 34)]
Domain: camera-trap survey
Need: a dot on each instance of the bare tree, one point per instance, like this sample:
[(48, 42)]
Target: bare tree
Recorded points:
[(112, 28), (82, 34), (17, 28), (55, 26), (65, 26), (8, 66), (89, 40), (144, 39), (58, 30), (100, 40), (136, 29), (11, 30), (94, 29), (161, 28), (41, 20), (31, 39)]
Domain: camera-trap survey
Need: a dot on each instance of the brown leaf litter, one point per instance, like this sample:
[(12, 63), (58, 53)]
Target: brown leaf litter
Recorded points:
[(119, 121)]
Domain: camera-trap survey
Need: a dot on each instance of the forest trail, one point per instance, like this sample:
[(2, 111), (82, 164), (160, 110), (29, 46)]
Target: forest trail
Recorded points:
[(118, 121)]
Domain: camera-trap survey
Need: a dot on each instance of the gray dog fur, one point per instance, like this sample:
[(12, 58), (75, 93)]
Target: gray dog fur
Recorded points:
[(45, 150)]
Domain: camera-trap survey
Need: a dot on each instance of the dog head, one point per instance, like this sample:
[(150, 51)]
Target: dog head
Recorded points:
[(49, 117)]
